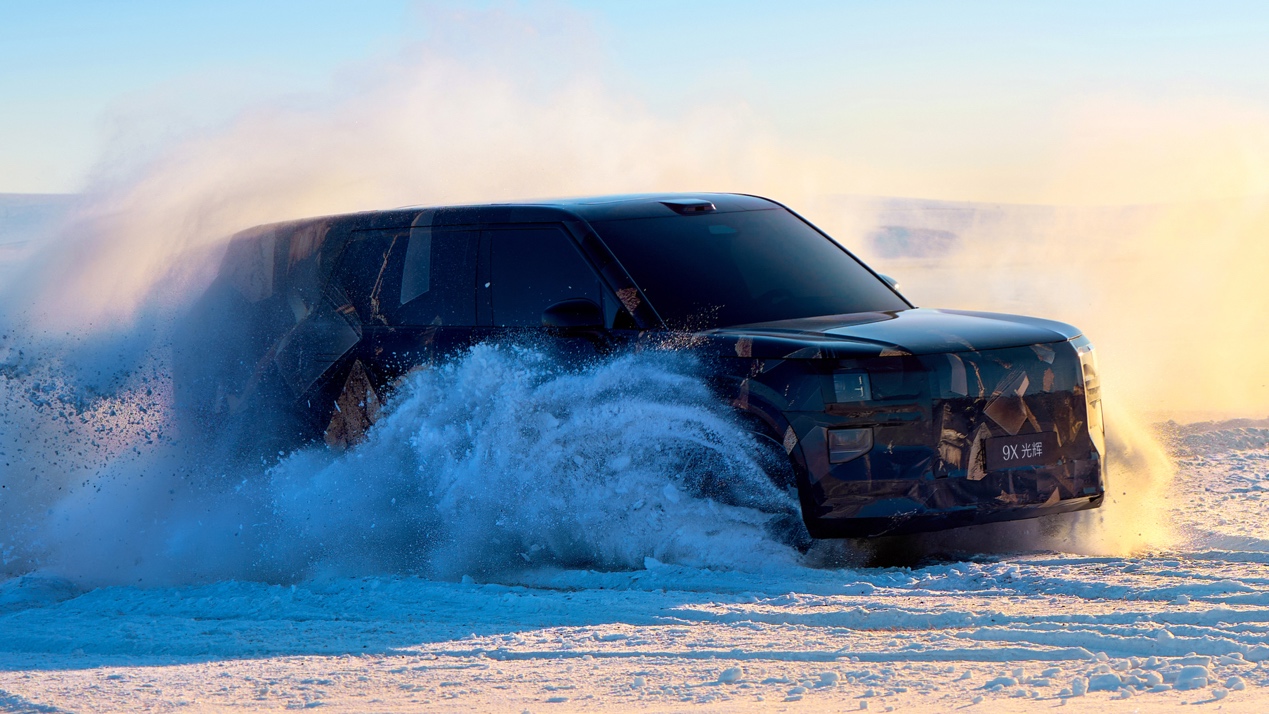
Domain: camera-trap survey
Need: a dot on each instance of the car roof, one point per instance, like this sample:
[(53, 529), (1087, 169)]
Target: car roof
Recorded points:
[(593, 208), (587, 208)]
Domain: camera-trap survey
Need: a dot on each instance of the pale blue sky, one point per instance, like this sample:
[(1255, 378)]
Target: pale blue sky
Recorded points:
[(920, 86)]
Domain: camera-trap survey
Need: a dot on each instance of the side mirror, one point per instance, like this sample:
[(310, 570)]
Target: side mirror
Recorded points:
[(894, 284), (574, 312)]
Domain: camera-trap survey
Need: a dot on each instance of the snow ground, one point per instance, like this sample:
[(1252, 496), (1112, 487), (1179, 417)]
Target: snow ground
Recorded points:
[(985, 633)]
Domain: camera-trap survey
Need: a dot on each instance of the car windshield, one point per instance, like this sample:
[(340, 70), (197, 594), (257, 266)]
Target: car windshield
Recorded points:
[(720, 269)]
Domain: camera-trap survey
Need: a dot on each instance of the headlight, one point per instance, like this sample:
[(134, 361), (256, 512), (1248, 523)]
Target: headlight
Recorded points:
[(847, 444), (851, 387), (1093, 396)]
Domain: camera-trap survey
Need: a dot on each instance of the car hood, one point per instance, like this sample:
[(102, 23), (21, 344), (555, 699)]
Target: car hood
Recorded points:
[(917, 331)]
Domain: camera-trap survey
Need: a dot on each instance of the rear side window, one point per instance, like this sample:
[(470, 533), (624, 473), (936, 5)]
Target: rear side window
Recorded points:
[(369, 270), (414, 277), (533, 268)]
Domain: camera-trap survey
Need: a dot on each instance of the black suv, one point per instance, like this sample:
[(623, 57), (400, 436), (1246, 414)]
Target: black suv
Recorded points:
[(894, 419)]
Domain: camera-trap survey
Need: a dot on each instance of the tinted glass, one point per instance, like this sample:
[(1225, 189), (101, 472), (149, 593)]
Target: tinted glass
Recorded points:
[(439, 272), (416, 276), (532, 269), (370, 271), (438, 285), (714, 270)]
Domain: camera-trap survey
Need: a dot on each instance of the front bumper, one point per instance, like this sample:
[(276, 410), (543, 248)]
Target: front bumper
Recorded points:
[(933, 418), (879, 508)]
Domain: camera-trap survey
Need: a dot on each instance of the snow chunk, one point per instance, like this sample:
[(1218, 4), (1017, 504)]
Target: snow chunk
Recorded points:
[(1194, 659), (1107, 682), (1192, 677), (1235, 659)]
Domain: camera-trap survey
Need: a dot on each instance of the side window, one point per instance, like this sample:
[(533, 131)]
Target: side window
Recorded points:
[(533, 268), (438, 281), (369, 273), (415, 277)]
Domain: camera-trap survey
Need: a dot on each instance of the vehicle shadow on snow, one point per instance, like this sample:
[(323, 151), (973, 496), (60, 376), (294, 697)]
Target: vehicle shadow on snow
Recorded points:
[(978, 543)]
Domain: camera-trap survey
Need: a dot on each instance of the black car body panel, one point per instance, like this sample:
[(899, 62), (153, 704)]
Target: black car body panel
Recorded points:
[(894, 418)]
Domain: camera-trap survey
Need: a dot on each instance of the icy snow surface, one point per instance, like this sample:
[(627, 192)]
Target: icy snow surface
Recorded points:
[(394, 578)]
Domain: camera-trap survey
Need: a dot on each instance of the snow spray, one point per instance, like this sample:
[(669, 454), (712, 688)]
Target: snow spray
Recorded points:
[(498, 461)]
